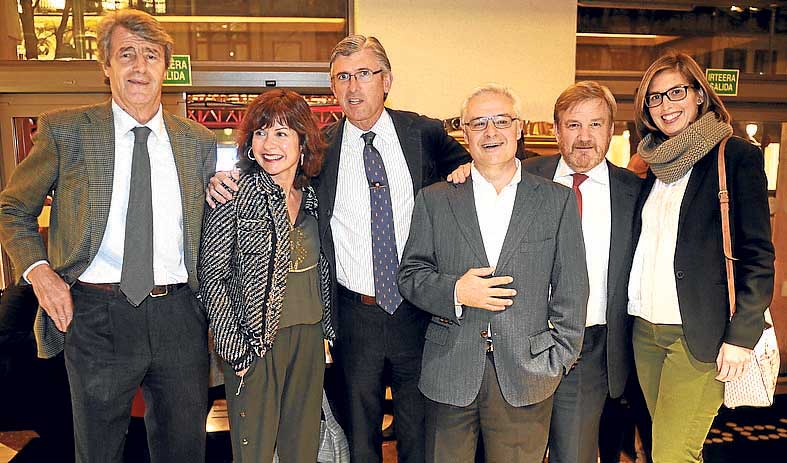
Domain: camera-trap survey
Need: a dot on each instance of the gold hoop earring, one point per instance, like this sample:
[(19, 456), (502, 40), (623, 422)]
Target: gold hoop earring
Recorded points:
[(250, 154)]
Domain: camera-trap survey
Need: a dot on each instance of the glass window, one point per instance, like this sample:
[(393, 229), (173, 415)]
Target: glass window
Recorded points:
[(229, 30), (750, 39)]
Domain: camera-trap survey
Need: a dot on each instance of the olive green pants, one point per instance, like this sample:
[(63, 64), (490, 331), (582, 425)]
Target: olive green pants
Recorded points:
[(279, 405), (681, 392)]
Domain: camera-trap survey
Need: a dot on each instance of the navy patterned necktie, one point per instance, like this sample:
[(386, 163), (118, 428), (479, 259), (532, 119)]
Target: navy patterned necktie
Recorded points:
[(384, 255), (136, 274)]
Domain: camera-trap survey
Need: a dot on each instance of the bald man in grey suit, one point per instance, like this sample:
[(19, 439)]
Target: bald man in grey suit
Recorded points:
[(499, 262)]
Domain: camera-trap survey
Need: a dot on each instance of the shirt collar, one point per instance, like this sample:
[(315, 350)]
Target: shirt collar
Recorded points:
[(383, 129), (124, 122), (480, 181), (599, 174)]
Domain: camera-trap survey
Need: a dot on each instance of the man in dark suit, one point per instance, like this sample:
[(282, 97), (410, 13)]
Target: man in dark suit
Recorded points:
[(116, 284), (499, 263), (584, 115), (377, 332)]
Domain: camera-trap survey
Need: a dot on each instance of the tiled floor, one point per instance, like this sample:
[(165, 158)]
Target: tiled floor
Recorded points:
[(737, 436)]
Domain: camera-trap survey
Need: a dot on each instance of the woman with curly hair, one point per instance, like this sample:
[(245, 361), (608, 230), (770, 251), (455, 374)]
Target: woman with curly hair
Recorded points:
[(264, 283)]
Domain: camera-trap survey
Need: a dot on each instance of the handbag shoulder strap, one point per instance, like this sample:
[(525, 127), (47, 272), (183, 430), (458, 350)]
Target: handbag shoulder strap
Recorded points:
[(724, 204)]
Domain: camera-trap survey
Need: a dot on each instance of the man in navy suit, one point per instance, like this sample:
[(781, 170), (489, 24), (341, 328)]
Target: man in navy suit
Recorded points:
[(584, 116), (374, 337)]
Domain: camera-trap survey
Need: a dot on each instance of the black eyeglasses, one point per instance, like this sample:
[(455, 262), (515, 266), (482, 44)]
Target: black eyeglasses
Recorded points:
[(364, 75), (501, 121), (674, 94)]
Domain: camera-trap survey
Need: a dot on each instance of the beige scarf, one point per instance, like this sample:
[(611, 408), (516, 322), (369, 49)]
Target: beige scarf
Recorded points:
[(670, 159)]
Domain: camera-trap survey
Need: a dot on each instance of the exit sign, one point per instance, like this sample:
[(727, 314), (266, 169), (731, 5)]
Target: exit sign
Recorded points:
[(179, 71), (723, 81)]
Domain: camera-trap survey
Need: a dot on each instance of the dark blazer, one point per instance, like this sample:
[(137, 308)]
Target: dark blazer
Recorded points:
[(431, 155), (624, 188), (73, 153), (539, 337), (699, 264)]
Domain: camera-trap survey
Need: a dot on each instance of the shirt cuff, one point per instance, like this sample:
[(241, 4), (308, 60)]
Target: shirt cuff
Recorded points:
[(458, 309), (34, 265)]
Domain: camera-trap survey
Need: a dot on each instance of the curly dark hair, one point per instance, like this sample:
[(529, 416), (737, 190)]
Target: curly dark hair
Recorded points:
[(287, 108)]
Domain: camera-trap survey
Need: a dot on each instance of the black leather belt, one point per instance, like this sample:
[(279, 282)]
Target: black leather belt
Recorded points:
[(358, 297), (114, 288)]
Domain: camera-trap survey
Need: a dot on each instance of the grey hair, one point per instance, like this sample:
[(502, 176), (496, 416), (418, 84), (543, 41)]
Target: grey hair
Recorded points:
[(496, 89), (355, 43), (138, 23)]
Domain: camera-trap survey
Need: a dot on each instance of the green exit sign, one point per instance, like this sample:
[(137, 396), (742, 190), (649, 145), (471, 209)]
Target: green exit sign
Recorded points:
[(723, 81), (179, 71)]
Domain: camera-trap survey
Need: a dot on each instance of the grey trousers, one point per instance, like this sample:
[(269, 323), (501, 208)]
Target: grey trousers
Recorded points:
[(112, 347), (279, 405), (579, 401), (510, 434)]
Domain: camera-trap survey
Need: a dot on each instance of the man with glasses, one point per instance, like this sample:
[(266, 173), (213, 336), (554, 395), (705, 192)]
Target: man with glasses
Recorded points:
[(499, 262), (377, 160)]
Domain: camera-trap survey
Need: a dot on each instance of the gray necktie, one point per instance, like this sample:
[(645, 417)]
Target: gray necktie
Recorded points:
[(136, 277)]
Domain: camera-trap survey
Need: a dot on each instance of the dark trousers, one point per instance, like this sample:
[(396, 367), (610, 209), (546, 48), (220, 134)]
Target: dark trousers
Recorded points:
[(278, 407), (510, 434), (112, 348), (370, 341), (579, 402), (623, 418)]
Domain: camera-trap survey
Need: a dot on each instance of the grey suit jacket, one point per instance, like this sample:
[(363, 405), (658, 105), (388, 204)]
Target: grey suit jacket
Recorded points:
[(536, 339), (624, 188), (73, 154)]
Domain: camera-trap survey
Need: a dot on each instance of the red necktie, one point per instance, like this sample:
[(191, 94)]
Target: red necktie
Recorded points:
[(578, 179)]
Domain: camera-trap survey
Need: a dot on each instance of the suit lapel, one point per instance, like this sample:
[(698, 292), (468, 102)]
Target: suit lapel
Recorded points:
[(526, 205), (184, 150), (462, 205), (410, 141), (98, 141), (329, 176), (547, 168), (622, 202), (696, 179)]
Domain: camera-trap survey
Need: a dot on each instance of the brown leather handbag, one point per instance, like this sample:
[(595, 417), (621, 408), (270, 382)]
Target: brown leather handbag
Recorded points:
[(756, 387)]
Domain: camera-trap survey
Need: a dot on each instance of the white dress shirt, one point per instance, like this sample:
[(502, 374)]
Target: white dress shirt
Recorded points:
[(351, 219), (168, 265), (596, 231), (653, 294), (493, 211)]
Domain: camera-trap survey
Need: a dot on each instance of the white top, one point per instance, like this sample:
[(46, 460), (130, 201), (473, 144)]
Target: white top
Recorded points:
[(351, 219), (168, 265), (596, 231), (494, 214), (653, 294), (494, 210)]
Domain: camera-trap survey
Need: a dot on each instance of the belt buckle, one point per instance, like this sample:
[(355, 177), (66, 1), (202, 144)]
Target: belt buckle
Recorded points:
[(155, 294)]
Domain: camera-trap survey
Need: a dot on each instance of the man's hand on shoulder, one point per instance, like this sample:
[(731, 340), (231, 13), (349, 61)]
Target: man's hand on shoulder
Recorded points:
[(460, 174), (53, 295), (477, 288), (221, 186)]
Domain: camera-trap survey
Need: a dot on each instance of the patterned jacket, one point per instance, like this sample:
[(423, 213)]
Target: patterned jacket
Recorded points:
[(73, 153), (243, 266)]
